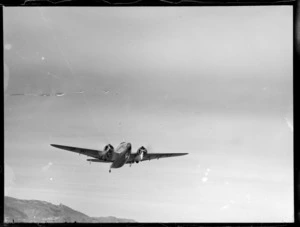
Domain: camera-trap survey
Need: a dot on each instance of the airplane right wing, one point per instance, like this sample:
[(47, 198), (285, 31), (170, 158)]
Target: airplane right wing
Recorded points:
[(84, 151)]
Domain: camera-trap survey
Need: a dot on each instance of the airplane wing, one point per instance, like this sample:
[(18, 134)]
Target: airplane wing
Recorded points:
[(98, 160), (150, 156), (84, 151)]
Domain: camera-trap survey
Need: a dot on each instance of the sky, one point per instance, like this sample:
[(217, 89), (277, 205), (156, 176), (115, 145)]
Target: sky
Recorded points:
[(215, 82)]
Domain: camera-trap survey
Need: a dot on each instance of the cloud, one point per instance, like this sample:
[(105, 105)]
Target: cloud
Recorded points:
[(46, 167)]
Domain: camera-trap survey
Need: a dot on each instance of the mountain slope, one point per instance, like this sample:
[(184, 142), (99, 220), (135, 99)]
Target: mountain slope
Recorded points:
[(18, 210)]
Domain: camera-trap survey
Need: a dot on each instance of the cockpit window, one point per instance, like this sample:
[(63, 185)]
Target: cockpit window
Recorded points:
[(121, 145)]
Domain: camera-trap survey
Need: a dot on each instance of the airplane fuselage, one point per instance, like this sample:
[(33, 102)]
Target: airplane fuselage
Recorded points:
[(124, 151)]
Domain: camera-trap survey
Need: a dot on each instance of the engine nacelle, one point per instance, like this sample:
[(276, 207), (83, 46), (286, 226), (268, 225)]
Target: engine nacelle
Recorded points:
[(107, 152), (140, 154), (142, 150)]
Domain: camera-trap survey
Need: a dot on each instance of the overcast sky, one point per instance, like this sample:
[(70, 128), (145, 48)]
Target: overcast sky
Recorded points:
[(215, 82)]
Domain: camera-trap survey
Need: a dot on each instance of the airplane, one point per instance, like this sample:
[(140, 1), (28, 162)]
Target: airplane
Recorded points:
[(118, 157)]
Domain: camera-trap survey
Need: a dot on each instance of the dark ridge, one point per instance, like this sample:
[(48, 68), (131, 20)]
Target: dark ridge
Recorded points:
[(36, 211)]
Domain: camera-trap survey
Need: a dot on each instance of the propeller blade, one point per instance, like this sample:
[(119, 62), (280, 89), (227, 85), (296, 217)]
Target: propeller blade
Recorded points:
[(149, 148)]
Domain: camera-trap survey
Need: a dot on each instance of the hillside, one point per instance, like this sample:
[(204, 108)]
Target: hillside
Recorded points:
[(18, 210)]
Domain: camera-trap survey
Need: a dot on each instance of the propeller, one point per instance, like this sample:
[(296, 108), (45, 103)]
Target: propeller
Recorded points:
[(108, 147), (149, 148), (105, 140), (104, 145), (145, 149)]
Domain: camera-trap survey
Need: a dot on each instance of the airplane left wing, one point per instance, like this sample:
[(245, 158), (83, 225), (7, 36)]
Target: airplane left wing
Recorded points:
[(150, 156), (98, 160), (84, 151), (161, 155)]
